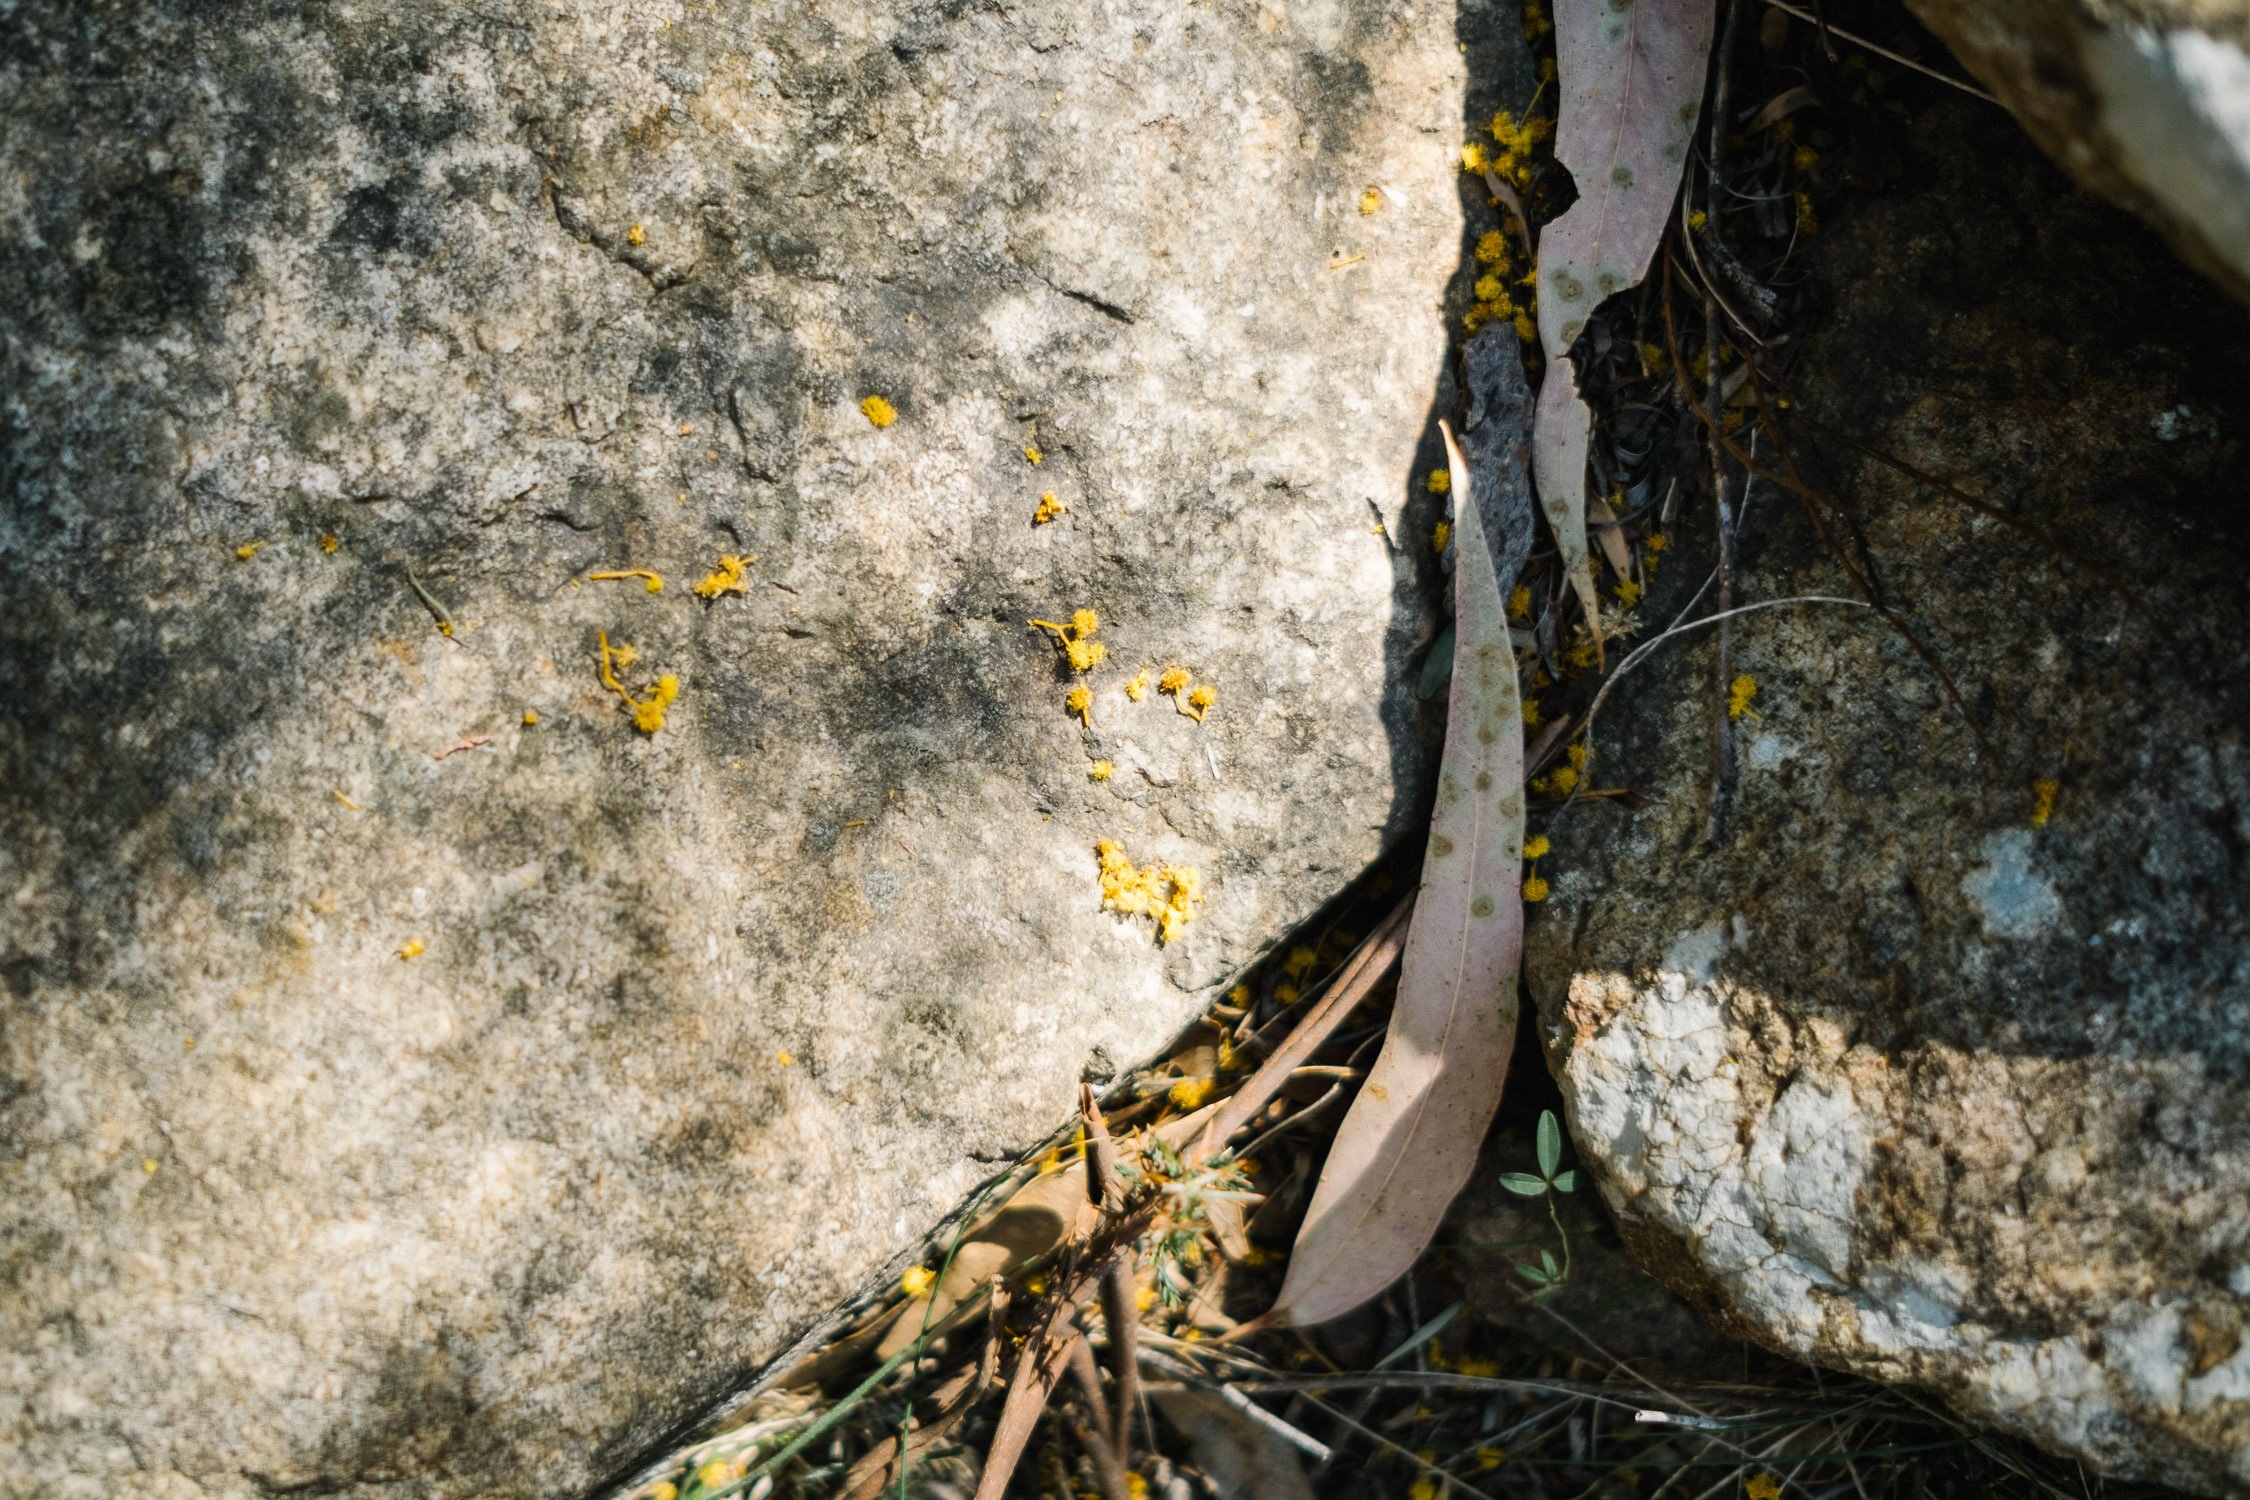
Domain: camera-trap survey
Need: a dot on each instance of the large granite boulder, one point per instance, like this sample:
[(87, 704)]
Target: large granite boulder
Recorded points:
[(416, 1077), (1937, 1068)]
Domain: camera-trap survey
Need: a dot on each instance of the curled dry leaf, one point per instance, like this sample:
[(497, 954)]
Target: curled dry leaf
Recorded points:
[(1632, 85), (1410, 1140)]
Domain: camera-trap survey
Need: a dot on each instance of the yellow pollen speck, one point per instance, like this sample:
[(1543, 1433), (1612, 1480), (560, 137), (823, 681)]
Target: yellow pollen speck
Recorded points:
[(148, 1165), (412, 948), (2043, 794), (1049, 508), (1535, 846), (247, 550), (1136, 686), (1168, 893), (1369, 201), (918, 1282), (726, 578), (1739, 693), (636, 236), (878, 411), (1440, 481), (1102, 770), (1534, 889), (654, 582)]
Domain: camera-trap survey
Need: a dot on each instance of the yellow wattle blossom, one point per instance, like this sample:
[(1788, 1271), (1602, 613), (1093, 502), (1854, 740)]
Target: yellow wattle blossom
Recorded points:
[(636, 236), (530, 717), (1492, 248), (726, 578), (1762, 1487), (1739, 693), (648, 715), (1080, 702), (1136, 686), (2043, 794), (1199, 701), (1136, 1486), (878, 411), (1440, 534), (1031, 451), (1439, 481), (918, 1282), (1424, 1487), (1628, 592), (1519, 602), (1534, 889), (1102, 770), (412, 948), (1493, 292), (665, 1491), (330, 543), (1189, 1093), (1533, 717), (1075, 639), (1287, 994), (1300, 961), (1049, 508), (1536, 846), (1168, 893), (1173, 680), (654, 583), (247, 551), (1369, 201), (1527, 327), (1698, 219)]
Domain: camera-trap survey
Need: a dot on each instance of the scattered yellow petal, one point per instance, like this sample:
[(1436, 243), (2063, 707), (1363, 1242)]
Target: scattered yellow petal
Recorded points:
[(1534, 888), (726, 578), (1369, 201), (1739, 693), (1102, 770), (636, 236), (879, 411), (411, 949), (2043, 794), (918, 1282), (1536, 846), (1136, 686), (654, 582), (248, 550), (330, 543), (1168, 893), (1049, 508)]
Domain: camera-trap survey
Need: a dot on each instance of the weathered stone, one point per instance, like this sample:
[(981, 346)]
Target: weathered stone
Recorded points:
[(2145, 101), (1917, 1074), (711, 1023)]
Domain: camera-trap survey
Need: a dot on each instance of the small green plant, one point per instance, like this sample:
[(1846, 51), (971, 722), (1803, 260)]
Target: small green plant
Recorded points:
[(1546, 1276)]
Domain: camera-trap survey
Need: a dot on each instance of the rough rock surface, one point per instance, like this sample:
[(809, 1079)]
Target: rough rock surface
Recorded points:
[(708, 1024), (1905, 1076), (2145, 101)]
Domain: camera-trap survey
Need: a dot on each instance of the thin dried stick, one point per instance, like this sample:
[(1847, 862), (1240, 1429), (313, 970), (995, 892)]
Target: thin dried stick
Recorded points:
[(1124, 1325), (1109, 1469), (1351, 985)]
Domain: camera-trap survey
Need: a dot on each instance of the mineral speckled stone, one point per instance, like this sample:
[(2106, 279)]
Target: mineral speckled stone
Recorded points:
[(417, 1079), (1938, 1069)]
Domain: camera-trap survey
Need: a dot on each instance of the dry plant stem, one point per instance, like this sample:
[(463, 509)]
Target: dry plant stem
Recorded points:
[(1109, 1468), (1722, 726), (1039, 1364), (1861, 42), (1101, 1152), (1351, 985), (1124, 1324), (875, 1470)]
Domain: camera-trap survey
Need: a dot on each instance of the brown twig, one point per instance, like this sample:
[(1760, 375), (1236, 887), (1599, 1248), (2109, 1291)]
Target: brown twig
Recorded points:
[(1122, 1319), (1722, 722), (1109, 1468), (1352, 984), (879, 1466), (1101, 1151)]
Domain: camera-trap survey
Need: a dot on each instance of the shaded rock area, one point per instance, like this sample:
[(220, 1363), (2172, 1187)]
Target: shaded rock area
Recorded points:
[(416, 1077), (2145, 101), (1938, 1067)]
